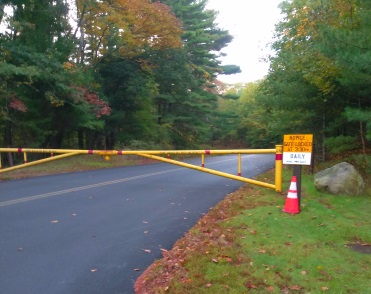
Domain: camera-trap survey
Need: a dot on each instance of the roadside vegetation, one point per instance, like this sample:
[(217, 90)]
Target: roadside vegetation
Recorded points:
[(72, 164), (246, 244)]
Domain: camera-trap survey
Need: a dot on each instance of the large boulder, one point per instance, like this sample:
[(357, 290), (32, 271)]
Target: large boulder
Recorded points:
[(342, 178)]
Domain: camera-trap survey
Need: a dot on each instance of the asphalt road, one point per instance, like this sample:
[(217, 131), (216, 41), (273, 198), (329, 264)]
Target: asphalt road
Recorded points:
[(97, 231)]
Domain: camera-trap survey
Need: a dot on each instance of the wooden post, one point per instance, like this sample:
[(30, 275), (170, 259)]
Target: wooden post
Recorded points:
[(296, 169)]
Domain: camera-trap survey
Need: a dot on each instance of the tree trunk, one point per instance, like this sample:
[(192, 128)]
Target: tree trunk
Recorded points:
[(80, 138), (110, 140), (323, 134), (8, 141), (361, 130)]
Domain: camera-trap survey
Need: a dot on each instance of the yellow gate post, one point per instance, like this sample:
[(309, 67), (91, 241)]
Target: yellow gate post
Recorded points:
[(278, 171), (239, 164)]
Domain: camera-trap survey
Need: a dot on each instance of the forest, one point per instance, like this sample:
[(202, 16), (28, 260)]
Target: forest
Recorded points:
[(141, 74)]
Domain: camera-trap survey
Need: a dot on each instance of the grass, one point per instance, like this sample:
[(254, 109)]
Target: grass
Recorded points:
[(72, 164), (247, 244)]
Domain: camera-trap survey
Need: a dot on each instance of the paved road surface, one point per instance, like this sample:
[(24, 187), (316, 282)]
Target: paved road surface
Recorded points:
[(86, 232)]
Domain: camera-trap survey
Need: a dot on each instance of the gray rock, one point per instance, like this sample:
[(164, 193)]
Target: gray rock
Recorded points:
[(342, 178)]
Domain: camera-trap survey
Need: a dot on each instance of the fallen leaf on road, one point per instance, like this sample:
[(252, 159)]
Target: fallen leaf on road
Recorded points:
[(74, 214), (20, 249), (145, 222), (147, 250), (145, 232), (93, 270), (137, 269), (55, 221)]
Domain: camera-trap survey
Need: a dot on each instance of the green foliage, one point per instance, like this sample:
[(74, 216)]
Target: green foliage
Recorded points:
[(360, 115), (337, 145), (230, 69), (362, 161), (202, 39), (142, 145)]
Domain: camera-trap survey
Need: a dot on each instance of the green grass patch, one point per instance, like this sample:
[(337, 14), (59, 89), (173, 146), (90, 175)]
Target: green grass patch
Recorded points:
[(247, 244), (71, 164)]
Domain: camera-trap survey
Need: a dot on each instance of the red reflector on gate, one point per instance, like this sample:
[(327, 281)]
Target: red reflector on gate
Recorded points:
[(207, 151), (278, 156)]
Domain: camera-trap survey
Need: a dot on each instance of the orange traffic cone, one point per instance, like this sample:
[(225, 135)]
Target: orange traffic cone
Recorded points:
[(292, 201)]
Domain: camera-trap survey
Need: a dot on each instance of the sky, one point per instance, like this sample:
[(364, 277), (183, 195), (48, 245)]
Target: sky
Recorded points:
[(251, 23)]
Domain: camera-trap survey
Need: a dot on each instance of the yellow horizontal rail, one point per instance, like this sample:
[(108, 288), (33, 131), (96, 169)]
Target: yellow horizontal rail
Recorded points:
[(138, 152)]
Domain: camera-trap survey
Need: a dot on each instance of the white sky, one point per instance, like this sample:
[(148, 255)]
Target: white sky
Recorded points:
[(251, 23)]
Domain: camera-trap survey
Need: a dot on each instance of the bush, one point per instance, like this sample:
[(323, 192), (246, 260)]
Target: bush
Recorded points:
[(362, 161), (336, 145), (144, 145)]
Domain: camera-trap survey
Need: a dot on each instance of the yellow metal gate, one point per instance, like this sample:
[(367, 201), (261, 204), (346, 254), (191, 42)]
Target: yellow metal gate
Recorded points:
[(155, 154)]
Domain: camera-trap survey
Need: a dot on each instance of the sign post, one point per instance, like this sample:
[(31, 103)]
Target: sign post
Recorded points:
[(297, 151)]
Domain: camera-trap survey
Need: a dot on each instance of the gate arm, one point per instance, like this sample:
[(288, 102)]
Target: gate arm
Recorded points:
[(210, 171)]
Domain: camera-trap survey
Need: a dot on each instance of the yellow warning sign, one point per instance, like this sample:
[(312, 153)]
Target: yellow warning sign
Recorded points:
[(297, 149)]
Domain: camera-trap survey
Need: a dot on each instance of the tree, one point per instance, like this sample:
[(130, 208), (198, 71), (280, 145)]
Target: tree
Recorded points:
[(318, 69), (35, 71), (123, 27), (202, 39)]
